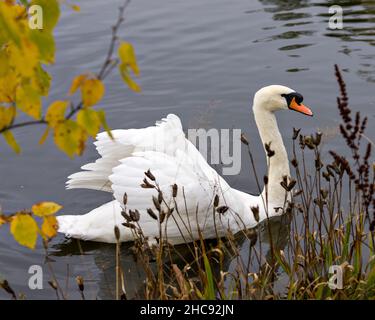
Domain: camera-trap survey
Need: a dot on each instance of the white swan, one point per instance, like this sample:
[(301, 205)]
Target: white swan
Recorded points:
[(172, 159)]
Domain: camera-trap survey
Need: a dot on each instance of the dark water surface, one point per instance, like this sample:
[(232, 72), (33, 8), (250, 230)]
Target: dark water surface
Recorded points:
[(202, 60)]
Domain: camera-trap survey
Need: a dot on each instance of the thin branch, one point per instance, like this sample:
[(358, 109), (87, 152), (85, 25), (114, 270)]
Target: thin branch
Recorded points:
[(108, 65), (120, 20)]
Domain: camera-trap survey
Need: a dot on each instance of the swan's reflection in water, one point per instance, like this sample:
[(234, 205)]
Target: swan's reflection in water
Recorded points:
[(100, 281)]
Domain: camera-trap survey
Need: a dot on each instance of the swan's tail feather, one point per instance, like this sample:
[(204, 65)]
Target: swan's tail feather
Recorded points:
[(69, 225)]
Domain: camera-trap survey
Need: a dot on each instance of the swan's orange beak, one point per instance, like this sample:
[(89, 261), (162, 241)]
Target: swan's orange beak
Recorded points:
[(300, 107)]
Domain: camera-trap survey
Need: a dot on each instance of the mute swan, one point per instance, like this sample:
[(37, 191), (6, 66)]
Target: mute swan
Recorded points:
[(172, 159)]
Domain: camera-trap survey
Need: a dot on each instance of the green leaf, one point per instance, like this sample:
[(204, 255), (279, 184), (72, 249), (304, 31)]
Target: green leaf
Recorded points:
[(89, 120), (4, 63), (42, 81), (103, 122), (56, 113), (51, 12), (124, 72), (9, 29), (210, 288), (70, 137), (29, 101), (46, 44), (127, 56)]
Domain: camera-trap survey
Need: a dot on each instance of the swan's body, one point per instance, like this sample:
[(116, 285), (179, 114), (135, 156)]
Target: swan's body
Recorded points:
[(172, 159)]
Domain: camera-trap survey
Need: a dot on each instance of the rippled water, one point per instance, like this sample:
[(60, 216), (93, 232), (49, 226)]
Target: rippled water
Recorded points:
[(202, 60)]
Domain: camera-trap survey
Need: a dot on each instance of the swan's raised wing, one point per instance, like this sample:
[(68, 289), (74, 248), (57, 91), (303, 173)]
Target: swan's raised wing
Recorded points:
[(166, 136), (193, 204)]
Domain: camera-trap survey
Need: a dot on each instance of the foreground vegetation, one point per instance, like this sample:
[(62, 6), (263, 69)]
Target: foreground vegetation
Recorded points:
[(329, 222)]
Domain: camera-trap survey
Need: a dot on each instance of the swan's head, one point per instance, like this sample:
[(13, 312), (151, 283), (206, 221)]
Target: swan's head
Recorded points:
[(276, 97)]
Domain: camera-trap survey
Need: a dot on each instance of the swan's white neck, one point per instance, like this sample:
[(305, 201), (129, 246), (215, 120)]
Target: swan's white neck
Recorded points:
[(278, 165)]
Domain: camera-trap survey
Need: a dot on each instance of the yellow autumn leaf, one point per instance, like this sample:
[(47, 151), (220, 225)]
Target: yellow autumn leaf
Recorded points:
[(127, 78), (29, 101), (24, 230), (24, 59), (89, 120), (56, 112), (7, 115), (9, 138), (46, 208), (8, 24), (4, 63), (103, 122), (77, 83), (41, 81), (92, 92), (44, 41), (127, 56), (8, 86), (49, 227), (44, 136), (70, 137)]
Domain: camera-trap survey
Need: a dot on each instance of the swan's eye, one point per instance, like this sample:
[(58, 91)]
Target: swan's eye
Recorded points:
[(298, 98)]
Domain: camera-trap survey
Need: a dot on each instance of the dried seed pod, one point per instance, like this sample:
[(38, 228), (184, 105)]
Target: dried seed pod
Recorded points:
[(291, 184), (324, 193), (255, 211), (326, 175), (296, 133), (125, 199), (156, 203), (244, 139), (216, 201), (134, 215), (319, 202), (149, 175), (270, 153), (222, 209), (174, 190), (309, 142), (80, 283), (265, 180), (117, 233), (294, 162), (146, 184), (318, 138), (152, 214), (129, 225), (253, 236), (284, 183), (162, 216), (126, 216), (302, 141), (53, 284), (318, 163), (160, 197)]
